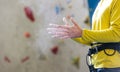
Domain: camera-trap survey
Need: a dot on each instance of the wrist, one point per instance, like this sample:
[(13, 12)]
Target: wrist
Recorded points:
[(81, 33)]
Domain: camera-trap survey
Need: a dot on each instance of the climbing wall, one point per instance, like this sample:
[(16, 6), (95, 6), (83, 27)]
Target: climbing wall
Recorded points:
[(25, 45)]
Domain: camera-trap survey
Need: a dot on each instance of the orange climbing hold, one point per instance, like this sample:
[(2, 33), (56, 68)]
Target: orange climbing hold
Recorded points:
[(27, 34), (25, 59), (29, 13)]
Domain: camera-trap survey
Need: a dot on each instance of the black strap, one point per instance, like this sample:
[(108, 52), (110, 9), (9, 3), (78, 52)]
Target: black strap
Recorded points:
[(104, 46)]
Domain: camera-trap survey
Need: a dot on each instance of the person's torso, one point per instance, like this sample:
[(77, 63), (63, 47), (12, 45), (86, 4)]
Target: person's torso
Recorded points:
[(101, 21)]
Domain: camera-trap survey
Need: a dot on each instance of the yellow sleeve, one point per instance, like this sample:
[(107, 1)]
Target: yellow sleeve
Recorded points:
[(112, 34), (80, 40)]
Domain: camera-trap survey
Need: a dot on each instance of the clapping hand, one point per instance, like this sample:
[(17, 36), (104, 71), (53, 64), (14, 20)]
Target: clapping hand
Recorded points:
[(65, 31)]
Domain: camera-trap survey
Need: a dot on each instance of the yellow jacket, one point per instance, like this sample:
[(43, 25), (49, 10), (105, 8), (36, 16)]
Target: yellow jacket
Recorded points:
[(105, 28)]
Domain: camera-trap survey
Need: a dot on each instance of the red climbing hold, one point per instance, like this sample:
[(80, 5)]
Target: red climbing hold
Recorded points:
[(27, 34), (54, 50), (25, 59), (7, 59), (29, 13)]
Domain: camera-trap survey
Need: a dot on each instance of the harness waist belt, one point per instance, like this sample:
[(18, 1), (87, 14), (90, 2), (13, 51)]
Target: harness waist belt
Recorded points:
[(103, 46)]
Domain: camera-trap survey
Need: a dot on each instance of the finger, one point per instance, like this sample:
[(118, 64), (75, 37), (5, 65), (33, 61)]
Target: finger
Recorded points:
[(73, 21), (57, 30), (57, 36), (65, 21), (65, 37), (58, 33), (53, 25), (59, 26), (61, 36)]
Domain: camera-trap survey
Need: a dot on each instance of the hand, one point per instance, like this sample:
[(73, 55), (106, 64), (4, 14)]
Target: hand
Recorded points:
[(65, 31)]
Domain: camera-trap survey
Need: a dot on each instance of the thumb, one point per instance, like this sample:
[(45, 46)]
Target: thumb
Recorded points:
[(65, 21)]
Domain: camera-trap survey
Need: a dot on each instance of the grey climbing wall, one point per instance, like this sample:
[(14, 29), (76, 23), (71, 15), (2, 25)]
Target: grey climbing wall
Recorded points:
[(25, 45)]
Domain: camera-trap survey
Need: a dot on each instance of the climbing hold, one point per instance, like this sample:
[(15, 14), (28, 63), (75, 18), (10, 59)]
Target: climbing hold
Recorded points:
[(25, 59), (70, 6), (57, 9), (75, 61), (68, 1), (54, 50), (29, 13), (42, 57), (62, 8), (27, 34), (7, 59), (87, 21)]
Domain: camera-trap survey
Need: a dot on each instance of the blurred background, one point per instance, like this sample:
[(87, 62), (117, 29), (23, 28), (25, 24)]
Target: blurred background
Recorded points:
[(25, 45)]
